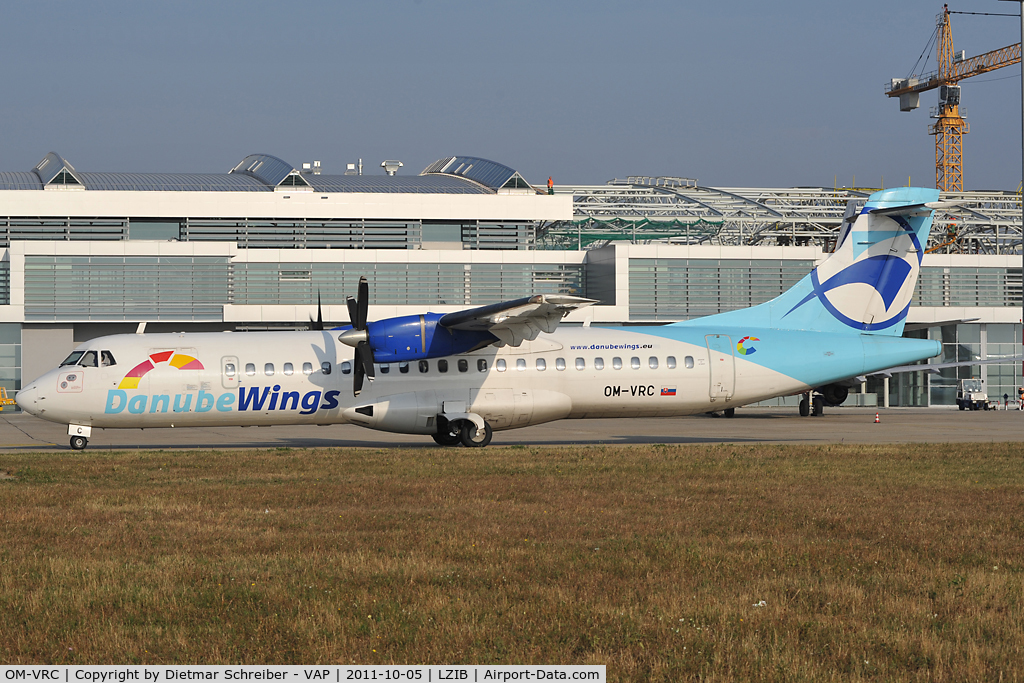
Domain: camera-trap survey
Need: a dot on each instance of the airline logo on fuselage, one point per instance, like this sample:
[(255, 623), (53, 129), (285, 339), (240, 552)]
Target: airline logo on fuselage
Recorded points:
[(248, 399), (180, 361), (744, 348)]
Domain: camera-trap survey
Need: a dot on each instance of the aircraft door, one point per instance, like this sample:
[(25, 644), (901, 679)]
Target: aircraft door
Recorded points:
[(229, 371), (722, 369)]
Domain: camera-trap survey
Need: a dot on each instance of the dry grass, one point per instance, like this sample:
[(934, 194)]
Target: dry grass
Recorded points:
[(873, 563)]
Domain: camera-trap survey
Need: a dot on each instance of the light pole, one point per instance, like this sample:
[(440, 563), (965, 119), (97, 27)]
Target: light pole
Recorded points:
[(1021, 4)]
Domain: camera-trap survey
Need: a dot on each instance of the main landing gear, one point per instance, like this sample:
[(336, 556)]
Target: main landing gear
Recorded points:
[(814, 406), (462, 432), (79, 442)]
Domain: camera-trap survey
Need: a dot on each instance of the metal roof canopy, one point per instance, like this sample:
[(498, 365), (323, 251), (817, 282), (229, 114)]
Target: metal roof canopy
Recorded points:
[(643, 210)]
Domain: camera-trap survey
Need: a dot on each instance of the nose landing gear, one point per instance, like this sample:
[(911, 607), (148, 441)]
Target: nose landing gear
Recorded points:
[(79, 436)]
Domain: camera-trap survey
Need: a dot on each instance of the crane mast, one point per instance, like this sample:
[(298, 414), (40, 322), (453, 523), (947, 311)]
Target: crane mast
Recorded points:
[(950, 125)]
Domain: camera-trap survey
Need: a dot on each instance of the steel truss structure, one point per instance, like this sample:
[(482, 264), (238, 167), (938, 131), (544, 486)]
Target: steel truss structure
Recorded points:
[(645, 210)]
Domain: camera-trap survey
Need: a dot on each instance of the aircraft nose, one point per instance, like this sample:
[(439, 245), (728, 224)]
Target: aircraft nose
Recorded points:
[(26, 399)]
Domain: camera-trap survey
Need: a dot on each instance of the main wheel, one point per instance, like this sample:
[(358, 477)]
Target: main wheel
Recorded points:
[(79, 442), (819, 406), (729, 412), (805, 408), (446, 438), (469, 438)]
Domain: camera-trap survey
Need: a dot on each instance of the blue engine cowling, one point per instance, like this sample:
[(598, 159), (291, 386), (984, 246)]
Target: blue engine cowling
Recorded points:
[(413, 337)]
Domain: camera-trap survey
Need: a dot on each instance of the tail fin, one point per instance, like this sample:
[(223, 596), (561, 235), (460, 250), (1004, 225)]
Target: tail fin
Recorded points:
[(866, 285)]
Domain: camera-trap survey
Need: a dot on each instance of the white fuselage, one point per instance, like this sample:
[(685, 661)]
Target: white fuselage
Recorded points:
[(268, 378)]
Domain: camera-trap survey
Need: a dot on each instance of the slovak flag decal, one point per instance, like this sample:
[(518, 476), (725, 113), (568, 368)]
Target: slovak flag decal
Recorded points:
[(668, 391)]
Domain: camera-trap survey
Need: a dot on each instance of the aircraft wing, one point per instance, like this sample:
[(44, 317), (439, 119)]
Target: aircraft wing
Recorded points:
[(513, 322)]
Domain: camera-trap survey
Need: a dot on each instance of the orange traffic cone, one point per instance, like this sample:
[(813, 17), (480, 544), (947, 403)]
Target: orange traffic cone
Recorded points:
[(876, 418)]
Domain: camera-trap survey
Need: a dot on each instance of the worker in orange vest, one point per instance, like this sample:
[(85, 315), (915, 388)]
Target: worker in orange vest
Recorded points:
[(551, 185)]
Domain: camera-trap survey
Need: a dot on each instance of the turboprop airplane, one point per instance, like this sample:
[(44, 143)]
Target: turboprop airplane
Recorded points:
[(457, 377)]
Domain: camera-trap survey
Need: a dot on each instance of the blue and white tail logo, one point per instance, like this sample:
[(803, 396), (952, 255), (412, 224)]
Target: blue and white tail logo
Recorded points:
[(867, 284)]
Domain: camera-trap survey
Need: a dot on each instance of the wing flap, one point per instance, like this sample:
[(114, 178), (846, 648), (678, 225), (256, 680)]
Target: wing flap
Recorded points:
[(516, 321)]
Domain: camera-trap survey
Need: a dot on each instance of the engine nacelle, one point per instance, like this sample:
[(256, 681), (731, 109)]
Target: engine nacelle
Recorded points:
[(413, 337), (834, 394), (413, 412)]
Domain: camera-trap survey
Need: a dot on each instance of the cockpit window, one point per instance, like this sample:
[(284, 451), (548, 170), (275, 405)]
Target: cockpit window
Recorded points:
[(107, 359), (72, 359), (89, 360)]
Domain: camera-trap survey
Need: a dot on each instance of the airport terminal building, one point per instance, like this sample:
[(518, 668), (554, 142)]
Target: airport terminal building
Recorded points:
[(84, 254)]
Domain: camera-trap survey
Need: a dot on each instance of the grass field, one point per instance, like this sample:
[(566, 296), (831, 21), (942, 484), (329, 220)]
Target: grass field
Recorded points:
[(665, 563)]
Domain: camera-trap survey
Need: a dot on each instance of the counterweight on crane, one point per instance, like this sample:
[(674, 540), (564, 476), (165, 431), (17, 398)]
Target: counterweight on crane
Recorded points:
[(950, 126)]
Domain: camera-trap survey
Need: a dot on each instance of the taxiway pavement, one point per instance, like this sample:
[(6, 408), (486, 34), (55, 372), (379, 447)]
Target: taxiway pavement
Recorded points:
[(21, 432)]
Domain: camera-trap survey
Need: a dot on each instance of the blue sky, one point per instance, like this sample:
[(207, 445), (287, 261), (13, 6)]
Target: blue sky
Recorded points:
[(732, 94)]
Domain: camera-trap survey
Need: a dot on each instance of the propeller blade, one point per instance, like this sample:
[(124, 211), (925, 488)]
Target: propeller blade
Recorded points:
[(363, 362), (352, 312), (363, 301), (364, 355), (357, 376)]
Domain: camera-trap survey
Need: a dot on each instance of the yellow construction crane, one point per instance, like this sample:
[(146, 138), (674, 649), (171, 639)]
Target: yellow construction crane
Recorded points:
[(949, 127)]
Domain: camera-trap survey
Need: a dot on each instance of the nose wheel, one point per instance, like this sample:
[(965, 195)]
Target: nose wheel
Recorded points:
[(79, 443)]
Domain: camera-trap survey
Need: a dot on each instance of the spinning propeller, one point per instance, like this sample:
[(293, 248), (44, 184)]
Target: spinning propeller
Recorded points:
[(358, 336)]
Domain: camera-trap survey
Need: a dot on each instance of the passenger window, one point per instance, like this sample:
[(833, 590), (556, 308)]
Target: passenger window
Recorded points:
[(500, 365), (229, 369), (385, 368), (403, 368), (72, 359), (346, 367), (581, 364), (288, 369), (250, 369), (442, 365), (325, 367), (652, 362), (107, 359), (520, 364), (688, 361), (481, 364), (307, 368), (463, 365), (559, 364), (424, 366), (634, 363), (616, 363), (599, 363), (268, 369), (542, 364), (670, 362), (89, 360)]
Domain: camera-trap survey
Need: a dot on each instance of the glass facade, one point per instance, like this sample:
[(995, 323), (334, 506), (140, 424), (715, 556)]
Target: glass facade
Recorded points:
[(274, 233), (10, 358), (5, 283), (680, 289), (423, 284), (987, 287), (151, 288)]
